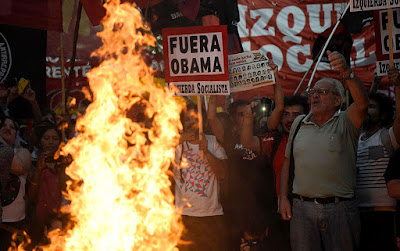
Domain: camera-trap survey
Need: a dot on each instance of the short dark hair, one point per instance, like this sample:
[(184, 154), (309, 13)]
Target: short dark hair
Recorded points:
[(298, 100), (386, 107), (41, 128), (232, 109)]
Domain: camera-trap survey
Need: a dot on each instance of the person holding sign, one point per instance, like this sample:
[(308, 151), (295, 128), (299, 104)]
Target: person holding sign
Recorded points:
[(323, 148), (197, 186), (273, 144), (379, 140), (252, 203)]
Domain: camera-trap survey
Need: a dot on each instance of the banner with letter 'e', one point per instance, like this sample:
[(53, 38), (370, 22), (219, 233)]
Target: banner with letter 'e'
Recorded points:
[(196, 60)]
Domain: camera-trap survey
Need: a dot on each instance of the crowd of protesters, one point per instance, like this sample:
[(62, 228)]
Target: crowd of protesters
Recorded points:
[(32, 177), (317, 176), (308, 174)]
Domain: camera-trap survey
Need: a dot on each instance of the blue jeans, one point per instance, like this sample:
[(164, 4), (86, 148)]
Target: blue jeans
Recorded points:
[(333, 226)]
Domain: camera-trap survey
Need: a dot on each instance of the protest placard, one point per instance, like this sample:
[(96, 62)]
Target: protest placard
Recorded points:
[(196, 60), (249, 70), (365, 5), (382, 40)]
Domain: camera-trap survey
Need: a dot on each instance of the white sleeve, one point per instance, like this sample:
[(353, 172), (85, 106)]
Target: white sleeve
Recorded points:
[(216, 149), (178, 156)]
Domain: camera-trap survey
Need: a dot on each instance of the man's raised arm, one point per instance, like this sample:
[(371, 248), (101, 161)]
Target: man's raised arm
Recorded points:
[(247, 139), (358, 109), (276, 115), (215, 124)]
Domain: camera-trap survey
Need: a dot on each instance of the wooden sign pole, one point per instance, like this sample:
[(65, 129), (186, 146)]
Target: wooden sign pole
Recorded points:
[(63, 108), (200, 116), (390, 25)]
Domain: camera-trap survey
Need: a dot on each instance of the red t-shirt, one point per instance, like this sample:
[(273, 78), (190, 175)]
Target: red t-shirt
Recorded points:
[(49, 197), (267, 142)]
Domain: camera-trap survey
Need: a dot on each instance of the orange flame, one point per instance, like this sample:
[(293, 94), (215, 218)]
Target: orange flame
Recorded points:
[(125, 146)]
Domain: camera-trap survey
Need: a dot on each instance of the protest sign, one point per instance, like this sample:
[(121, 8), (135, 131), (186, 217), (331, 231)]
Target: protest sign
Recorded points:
[(249, 70), (196, 60), (382, 67), (382, 40), (364, 5)]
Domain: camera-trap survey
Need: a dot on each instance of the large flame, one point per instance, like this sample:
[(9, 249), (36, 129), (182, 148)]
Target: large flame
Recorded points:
[(125, 146)]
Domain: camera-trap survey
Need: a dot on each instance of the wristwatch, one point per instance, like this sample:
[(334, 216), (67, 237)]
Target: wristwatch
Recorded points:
[(351, 75)]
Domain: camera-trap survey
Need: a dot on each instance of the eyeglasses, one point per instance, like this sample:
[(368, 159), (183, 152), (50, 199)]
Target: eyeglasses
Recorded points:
[(322, 91)]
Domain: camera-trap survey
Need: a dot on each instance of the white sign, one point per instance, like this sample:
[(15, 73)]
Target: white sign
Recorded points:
[(364, 5), (249, 70), (382, 40), (382, 67), (195, 54), (196, 60), (384, 31)]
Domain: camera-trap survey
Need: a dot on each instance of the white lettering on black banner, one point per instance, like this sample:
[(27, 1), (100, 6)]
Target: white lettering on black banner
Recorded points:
[(5, 58)]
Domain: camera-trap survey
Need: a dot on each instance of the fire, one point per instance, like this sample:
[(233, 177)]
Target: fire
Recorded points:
[(124, 148)]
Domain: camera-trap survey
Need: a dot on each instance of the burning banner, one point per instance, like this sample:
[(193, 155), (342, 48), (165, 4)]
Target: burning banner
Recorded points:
[(124, 148)]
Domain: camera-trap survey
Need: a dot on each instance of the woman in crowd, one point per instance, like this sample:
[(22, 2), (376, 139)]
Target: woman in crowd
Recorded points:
[(16, 162), (44, 189)]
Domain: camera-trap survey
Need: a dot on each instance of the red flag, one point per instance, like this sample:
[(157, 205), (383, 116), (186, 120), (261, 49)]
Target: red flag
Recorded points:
[(43, 14), (143, 4), (94, 9), (189, 8)]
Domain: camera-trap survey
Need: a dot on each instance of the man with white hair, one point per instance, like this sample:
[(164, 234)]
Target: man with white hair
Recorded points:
[(323, 146)]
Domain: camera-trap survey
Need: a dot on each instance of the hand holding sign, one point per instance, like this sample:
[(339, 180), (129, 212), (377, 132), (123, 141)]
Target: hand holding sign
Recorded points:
[(203, 143), (394, 76), (13, 94), (29, 95), (274, 68)]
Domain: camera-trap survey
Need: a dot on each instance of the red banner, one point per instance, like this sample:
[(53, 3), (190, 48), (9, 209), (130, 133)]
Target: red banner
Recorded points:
[(83, 64), (286, 30), (42, 14)]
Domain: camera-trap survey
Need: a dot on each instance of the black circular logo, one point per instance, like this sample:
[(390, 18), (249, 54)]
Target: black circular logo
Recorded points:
[(5, 58)]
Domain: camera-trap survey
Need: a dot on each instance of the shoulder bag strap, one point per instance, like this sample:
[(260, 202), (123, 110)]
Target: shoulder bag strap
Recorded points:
[(291, 167)]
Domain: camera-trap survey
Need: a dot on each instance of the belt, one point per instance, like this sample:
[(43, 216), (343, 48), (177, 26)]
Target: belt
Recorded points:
[(326, 200)]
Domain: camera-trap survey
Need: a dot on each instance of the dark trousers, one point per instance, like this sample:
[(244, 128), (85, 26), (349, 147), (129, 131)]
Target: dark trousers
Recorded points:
[(203, 233), (378, 230), (6, 236), (279, 236)]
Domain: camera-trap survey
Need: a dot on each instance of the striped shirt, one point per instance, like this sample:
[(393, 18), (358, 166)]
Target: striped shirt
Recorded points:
[(372, 160)]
